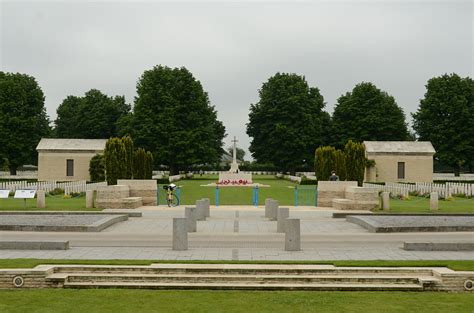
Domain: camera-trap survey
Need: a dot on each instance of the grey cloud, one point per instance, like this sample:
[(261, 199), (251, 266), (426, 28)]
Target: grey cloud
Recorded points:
[(232, 48)]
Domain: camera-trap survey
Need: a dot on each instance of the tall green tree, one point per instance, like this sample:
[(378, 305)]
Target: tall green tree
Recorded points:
[(139, 163), (23, 119), (340, 166), (287, 123), (446, 118), (95, 115), (115, 160), (368, 113), (174, 119), (355, 161), (97, 168), (324, 162), (128, 144)]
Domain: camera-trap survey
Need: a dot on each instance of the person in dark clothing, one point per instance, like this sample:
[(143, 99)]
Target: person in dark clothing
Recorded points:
[(333, 176)]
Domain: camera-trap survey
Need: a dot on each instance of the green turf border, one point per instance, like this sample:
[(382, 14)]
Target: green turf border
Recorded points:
[(458, 265)]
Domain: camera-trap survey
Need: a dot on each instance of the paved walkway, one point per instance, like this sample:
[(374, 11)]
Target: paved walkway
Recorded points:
[(238, 233)]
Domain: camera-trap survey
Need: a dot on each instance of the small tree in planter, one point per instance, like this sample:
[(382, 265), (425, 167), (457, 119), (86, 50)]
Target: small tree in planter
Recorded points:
[(97, 168), (325, 160), (355, 161)]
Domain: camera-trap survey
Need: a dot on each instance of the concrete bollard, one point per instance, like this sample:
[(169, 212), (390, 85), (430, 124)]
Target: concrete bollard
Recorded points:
[(207, 207), (180, 234), (386, 201), (282, 215), (190, 214), (273, 210), (267, 207), (292, 234), (89, 199), (434, 201), (40, 199), (200, 210)]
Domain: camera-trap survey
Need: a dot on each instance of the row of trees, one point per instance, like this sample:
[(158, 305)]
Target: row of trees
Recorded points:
[(288, 122), (173, 118), (121, 161), (349, 164)]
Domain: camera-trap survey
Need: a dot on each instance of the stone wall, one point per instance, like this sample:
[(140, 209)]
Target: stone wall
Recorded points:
[(329, 190), (143, 188), (357, 198), (418, 168), (52, 165), (116, 197)]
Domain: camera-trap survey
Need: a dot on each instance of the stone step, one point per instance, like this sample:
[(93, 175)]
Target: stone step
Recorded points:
[(246, 286), (271, 279), (164, 269)]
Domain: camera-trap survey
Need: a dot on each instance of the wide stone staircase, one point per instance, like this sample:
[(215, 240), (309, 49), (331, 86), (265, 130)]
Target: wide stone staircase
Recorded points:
[(243, 277)]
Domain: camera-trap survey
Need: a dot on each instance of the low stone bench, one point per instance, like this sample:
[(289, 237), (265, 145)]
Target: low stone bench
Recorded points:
[(123, 203), (116, 197), (329, 190), (357, 198), (143, 188)]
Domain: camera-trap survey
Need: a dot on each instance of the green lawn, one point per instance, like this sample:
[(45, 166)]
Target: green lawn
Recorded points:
[(281, 190), (191, 190), (120, 300), (53, 203), (422, 205), (458, 265)]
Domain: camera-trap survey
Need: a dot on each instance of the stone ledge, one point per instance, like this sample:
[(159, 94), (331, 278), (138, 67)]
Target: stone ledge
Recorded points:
[(438, 246), (33, 245)]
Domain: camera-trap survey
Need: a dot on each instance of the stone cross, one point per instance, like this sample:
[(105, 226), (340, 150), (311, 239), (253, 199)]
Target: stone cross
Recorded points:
[(234, 156)]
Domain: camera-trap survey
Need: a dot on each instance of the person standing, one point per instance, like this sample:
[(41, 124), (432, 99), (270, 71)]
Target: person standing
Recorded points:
[(333, 176)]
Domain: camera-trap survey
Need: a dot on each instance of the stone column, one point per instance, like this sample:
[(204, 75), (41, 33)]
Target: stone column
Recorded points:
[(200, 210), (180, 234), (292, 234), (434, 201), (273, 210), (282, 215), (267, 207), (40, 199), (386, 201), (89, 199), (207, 206), (190, 214)]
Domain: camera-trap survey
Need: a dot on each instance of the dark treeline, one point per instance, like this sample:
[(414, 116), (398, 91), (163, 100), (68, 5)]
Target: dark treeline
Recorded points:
[(173, 118)]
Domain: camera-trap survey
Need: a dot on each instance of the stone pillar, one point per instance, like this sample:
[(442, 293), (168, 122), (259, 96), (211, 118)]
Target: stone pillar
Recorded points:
[(89, 199), (40, 199), (180, 234), (267, 207), (386, 201), (273, 210), (200, 210), (282, 215), (434, 201), (190, 214), (292, 234), (207, 206)]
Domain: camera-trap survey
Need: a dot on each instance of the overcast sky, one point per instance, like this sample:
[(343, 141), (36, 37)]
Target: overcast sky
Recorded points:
[(232, 48)]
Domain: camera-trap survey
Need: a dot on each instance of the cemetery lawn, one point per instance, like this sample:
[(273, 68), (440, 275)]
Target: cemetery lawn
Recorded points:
[(191, 190), (422, 205), (53, 203), (457, 265), (123, 300)]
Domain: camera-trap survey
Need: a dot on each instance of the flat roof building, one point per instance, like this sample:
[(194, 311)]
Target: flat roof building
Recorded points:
[(400, 161), (67, 159)]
